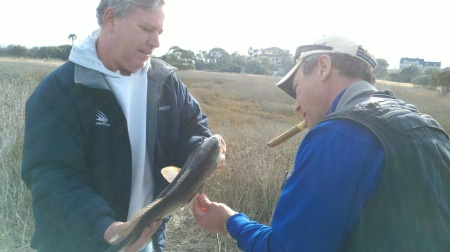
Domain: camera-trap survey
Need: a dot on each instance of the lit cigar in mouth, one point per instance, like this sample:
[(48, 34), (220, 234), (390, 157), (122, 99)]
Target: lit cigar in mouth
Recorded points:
[(288, 134)]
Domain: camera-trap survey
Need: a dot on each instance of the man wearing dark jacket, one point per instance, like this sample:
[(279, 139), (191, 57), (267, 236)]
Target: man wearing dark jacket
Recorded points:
[(100, 128)]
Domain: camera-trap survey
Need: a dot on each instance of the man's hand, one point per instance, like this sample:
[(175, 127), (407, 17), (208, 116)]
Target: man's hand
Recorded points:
[(210, 216), (145, 237)]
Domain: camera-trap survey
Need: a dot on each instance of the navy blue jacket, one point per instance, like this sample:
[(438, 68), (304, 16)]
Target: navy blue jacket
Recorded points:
[(78, 165)]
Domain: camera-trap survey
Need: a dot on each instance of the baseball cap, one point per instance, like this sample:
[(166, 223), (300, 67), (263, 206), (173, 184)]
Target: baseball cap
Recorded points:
[(326, 44)]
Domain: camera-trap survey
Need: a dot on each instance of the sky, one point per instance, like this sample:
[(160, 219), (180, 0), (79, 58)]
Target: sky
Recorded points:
[(388, 29)]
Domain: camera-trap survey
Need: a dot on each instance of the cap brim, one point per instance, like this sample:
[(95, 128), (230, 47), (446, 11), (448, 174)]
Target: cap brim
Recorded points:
[(286, 82)]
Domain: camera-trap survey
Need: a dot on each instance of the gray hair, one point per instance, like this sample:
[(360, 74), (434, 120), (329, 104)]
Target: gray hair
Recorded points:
[(123, 8), (346, 64)]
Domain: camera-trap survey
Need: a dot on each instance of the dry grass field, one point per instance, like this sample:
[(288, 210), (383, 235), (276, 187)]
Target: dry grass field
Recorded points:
[(247, 110)]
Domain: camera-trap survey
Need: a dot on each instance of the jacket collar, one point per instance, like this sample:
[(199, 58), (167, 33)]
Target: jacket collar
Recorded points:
[(157, 73), (352, 93), (90, 78)]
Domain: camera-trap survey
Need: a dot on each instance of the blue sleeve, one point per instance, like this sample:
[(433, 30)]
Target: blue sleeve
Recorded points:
[(337, 169)]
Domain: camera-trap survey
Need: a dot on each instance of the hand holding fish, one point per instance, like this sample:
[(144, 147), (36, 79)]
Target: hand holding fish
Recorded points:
[(211, 216), (185, 183), (145, 237)]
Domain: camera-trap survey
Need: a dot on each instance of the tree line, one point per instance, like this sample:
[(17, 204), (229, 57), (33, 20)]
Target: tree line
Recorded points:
[(429, 78), (45, 52), (219, 60)]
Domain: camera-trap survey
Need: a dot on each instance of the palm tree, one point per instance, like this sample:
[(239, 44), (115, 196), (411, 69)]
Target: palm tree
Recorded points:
[(72, 37)]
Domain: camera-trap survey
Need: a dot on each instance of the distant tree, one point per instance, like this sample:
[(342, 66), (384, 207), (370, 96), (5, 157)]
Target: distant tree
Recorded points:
[(61, 52), (16, 51), (253, 53), (268, 67), (238, 62), (72, 37), (260, 66), (431, 71), (201, 55), (44, 52), (180, 58), (216, 54), (254, 67), (3, 51), (33, 52), (381, 70), (286, 62), (54, 52), (200, 60), (219, 59), (424, 81), (407, 74), (394, 76), (442, 79)]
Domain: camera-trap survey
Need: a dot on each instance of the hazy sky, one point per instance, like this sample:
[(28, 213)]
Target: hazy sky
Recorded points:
[(389, 29)]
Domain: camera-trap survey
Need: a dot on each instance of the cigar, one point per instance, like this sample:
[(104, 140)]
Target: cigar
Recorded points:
[(288, 134)]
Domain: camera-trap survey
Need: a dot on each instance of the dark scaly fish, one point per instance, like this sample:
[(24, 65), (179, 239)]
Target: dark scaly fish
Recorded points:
[(185, 184)]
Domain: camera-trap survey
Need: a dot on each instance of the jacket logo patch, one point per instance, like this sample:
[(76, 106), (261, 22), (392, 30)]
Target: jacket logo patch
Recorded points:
[(101, 119), (164, 108)]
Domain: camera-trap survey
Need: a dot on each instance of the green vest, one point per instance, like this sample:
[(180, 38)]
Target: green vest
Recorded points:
[(411, 209)]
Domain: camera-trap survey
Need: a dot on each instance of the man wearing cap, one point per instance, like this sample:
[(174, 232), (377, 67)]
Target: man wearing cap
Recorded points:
[(372, 174)]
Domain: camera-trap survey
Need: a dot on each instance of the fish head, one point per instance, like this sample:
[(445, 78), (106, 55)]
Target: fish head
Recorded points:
[(212, 150), (208, 157), (222, 150)]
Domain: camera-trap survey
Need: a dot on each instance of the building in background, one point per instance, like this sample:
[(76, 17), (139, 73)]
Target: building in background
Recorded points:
[(405, 62), (274, 54)]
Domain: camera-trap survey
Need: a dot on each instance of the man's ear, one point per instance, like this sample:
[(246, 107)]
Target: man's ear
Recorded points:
[(324, 65), (108, 19)]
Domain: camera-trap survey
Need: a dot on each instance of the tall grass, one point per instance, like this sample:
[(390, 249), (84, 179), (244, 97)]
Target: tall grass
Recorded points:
[(247, 110), (17, 80)]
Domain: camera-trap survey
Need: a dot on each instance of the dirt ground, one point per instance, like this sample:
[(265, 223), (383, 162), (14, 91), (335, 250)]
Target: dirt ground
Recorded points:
[(183, 235)]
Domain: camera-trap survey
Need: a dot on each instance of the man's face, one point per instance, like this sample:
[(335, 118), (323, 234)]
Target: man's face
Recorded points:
[(311, 102), (134, 39)]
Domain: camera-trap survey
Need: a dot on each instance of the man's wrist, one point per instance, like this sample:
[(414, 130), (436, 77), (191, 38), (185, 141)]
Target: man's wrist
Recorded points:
[(225, 226)]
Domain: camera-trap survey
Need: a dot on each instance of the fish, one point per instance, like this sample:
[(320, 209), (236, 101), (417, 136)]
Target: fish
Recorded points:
[(185, 184)]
